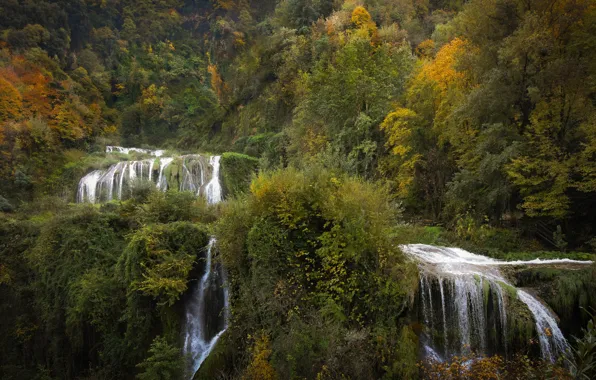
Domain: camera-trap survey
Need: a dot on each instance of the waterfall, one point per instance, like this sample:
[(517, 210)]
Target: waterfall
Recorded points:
[(207, 306), (200, 333), (119, 149), (88, 186), (213, 190), (472, 316), (200, 336), (184, 173)]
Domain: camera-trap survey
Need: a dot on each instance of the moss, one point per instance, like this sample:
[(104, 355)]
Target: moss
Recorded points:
[(173, 174), (236, 172), (510, 291), (410, 234), (485, 293), (521, 331)]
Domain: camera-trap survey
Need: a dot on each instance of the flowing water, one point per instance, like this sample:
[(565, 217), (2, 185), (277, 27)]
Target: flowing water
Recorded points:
[(120, 149), (185, 173), (464, 300), (207, 301), (206, 316), (207, 307)]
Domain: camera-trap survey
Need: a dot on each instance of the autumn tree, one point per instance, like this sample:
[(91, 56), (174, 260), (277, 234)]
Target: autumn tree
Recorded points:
[(11, 102)]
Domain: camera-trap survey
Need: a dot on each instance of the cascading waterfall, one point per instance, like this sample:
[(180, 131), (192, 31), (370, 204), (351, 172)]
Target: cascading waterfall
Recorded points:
[(205, 323), (213, 190), (117, 181), (472, 316), (207, 302), (120, 149)]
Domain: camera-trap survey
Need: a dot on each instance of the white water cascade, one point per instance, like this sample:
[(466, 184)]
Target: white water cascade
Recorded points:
[(207, 302), (206, 316), (120, 149), (185, 173), (204, 323), (464, 299), (213, 190)]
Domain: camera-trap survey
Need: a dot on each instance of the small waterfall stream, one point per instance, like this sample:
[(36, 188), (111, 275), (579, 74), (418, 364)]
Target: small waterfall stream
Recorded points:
[(204, 320), (464, 300), (207, 301)]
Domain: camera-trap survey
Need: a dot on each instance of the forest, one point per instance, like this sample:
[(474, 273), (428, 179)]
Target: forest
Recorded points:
[(298, 169)]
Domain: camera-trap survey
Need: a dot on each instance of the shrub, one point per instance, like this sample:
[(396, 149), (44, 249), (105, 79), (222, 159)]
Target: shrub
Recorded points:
[(313, 250), (163, 363)]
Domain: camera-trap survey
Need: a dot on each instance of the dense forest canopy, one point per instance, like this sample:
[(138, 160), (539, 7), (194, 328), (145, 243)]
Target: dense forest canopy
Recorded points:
[(338, 122)]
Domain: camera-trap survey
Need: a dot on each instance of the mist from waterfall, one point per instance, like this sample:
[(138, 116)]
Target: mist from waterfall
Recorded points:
[(464, 299)]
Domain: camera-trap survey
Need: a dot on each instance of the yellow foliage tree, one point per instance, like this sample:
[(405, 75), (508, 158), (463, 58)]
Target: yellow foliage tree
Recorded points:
[(225, 4), (11, 102), (260, 368), (543, 171), (442, 70), (68, 124), (217, 83), (363, 21), (425, 49), (398, 127), (587, 159)]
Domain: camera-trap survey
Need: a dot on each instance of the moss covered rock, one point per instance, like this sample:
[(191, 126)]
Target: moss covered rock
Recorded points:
[(236, 173)]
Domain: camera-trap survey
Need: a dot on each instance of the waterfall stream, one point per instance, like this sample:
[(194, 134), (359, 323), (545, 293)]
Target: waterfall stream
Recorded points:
[(207, 301), (202, 333), (464, 300), (185, 173), (204, 322)]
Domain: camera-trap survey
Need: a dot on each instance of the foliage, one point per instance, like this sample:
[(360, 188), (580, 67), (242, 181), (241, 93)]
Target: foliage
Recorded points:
[(477, 116), (259, 367), (159, 258), (94, 283), (492, 367), (312, 245), (163, 363), (583, 362), (5, 205)]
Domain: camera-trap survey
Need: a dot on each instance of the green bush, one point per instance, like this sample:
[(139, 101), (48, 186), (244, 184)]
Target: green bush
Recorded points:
[(172, 206), (159, 258), (312, 260), (163, 363)]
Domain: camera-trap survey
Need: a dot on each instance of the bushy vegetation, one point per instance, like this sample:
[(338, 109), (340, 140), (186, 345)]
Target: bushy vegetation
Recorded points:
[(85, 291), (314, 250)]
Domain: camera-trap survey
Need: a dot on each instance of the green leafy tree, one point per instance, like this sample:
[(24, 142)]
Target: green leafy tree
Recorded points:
[(164, 362)]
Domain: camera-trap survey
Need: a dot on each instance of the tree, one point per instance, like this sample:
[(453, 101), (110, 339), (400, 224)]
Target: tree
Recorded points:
[(11, 102), (29, 37), (165, 362), (401, 127)]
